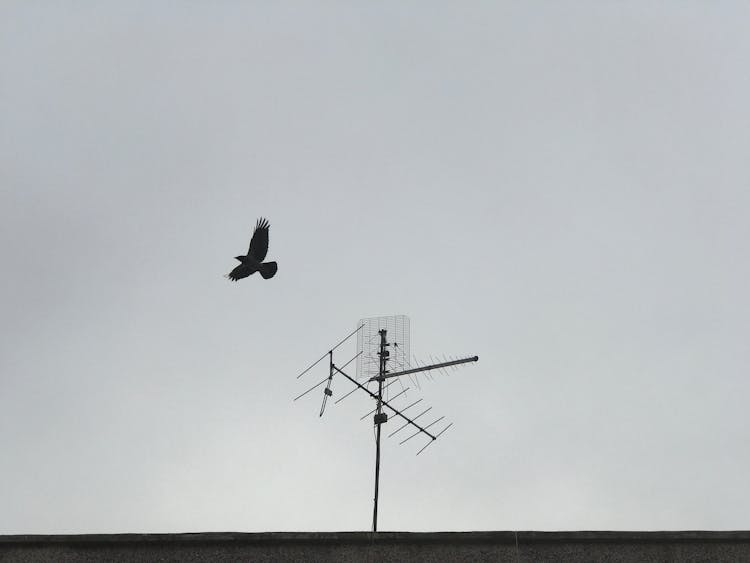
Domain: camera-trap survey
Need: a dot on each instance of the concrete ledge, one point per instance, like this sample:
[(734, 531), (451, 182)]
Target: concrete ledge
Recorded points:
[(504, 537), (382, 547)]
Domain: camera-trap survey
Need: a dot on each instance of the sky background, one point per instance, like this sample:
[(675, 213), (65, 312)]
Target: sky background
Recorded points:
[(560, 188)]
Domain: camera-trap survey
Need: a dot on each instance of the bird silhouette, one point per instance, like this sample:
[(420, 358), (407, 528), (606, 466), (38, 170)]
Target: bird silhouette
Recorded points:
[(253, 262)]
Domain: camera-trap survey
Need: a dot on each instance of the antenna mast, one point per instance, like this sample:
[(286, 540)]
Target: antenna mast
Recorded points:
[(380, 418)]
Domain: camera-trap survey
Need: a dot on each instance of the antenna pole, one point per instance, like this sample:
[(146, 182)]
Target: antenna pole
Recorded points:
[(368, 347), (380, 417)]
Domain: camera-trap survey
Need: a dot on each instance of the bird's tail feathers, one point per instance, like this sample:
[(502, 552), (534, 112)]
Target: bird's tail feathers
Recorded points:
[(268, 270)]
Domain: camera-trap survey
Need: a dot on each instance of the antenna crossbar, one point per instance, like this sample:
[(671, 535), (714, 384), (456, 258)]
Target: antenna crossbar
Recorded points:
[(424, 368), (385, 403), (375, 409), (428, 409), (431, 441), (416, 433)]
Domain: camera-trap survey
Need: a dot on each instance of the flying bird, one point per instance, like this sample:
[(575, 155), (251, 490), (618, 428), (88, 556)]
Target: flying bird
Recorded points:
[(253, 262)]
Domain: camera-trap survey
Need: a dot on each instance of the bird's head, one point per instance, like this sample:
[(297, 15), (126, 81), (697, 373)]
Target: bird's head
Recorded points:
[(240, 258)]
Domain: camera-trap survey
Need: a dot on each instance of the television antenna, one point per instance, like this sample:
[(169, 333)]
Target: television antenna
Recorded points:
[(376, 354)]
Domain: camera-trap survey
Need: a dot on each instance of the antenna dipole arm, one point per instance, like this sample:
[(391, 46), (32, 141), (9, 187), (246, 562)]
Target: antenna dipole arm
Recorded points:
[(424, 368), (316, 362)]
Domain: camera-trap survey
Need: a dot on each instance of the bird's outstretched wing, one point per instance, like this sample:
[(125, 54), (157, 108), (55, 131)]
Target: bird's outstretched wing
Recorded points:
[(241, 271), (259, 243)]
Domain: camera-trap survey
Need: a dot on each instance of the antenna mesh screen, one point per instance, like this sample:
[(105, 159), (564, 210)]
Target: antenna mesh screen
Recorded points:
[(368, 342)]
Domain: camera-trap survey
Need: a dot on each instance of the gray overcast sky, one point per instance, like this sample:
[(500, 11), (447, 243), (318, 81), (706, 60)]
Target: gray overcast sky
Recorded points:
[(561, 188)]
